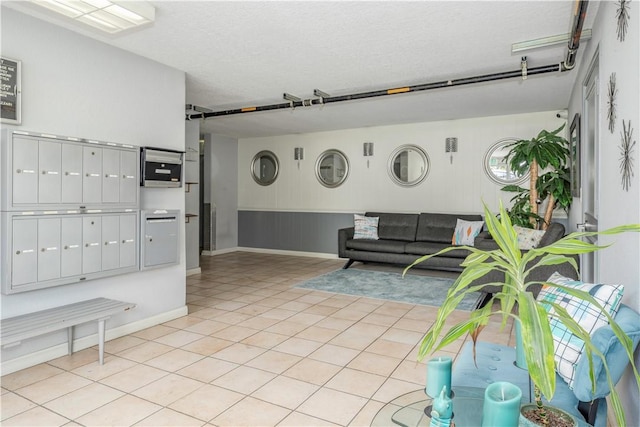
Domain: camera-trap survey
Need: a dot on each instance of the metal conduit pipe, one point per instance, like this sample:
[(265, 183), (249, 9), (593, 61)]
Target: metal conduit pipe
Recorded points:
[(579, 14), (568, 64)]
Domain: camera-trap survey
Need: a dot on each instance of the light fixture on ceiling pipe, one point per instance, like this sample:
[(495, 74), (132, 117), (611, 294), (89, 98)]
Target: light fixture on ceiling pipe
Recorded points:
[(110, 16)]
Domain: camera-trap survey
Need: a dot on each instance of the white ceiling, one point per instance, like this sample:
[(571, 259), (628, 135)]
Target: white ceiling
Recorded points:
[(241, 54)]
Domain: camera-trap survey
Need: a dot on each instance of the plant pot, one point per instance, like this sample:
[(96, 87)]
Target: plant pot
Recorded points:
[(554, 412)]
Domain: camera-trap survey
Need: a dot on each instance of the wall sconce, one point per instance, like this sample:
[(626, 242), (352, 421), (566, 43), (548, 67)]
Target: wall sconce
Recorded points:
[(451, 146), (298, 154), (367, 151)]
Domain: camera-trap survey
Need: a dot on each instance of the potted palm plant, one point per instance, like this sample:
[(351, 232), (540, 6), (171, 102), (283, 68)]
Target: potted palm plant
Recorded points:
[(546, 150), (536, 335)]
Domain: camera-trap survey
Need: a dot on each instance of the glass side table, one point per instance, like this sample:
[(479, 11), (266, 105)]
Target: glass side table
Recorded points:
[(408, 410)]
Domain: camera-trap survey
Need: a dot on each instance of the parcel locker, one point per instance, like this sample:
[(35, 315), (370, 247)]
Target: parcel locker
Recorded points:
[(160, 229)]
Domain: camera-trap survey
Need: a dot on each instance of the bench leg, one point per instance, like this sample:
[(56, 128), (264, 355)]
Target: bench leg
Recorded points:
[(70, 339), (101, 323)]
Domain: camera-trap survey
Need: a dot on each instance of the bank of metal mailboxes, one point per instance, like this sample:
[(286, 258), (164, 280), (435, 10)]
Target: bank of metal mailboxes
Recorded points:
[(70, 210), (160, 231)]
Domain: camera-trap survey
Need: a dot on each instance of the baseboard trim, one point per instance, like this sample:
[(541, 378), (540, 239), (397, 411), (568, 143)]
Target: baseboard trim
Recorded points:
[(292, 253), (219, 251), (193, 271), (50, 353)]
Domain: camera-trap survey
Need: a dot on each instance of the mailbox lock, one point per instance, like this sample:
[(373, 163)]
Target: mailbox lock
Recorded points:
[(66, 247), (18, 170), (18, 252)]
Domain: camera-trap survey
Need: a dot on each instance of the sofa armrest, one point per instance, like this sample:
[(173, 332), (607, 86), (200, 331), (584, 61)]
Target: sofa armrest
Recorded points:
[(607, 342), (344, 234)]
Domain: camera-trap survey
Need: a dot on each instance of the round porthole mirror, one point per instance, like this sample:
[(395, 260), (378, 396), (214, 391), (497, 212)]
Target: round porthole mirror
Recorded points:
[(496, 166), (265, 167), (408, 165), (332, 168)]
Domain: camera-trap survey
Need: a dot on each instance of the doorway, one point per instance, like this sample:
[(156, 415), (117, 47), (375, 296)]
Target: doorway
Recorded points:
[(590, 169)]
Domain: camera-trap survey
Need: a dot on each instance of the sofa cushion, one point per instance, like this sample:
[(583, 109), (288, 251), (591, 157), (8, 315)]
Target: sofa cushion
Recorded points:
[(568, 347), (430, 248), (392, 226), (528, 238), (554, 232), (466, 232), (365, 227), (389, 246), (437, 227)]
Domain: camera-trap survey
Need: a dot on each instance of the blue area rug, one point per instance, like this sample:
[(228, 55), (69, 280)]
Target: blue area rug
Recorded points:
[(412, 289)]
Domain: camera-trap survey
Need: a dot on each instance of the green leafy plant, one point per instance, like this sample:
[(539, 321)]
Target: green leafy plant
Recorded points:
[(546, 150), (537, 338)]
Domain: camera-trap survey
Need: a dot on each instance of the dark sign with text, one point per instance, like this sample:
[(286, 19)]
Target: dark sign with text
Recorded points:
[(10, 93)]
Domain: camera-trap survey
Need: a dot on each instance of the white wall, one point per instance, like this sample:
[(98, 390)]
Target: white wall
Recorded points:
[(76, 86), (621, 262), (457, 187)]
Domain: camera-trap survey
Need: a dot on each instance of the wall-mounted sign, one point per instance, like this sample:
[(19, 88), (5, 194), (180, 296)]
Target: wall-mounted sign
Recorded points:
[(11, 91)]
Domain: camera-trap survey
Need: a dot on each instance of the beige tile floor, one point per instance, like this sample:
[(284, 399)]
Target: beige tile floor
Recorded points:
[(253, 351)]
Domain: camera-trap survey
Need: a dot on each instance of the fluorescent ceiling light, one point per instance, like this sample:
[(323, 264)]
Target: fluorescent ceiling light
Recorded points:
[(111, 16), (547, 41)]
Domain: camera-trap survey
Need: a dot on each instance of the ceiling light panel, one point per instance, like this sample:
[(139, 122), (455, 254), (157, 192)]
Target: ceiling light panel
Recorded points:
[(110, 16)]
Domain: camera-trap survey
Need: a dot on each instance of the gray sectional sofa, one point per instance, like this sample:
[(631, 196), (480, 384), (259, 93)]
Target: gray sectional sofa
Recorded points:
[(403, 238)]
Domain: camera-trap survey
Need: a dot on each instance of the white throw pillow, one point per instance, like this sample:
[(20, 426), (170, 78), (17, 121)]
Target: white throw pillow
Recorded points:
[(528, 238), (567, 347), (366, 227), (466, 232)]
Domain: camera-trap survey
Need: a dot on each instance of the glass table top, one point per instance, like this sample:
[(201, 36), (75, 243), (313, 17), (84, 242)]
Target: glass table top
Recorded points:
[(408, 410)]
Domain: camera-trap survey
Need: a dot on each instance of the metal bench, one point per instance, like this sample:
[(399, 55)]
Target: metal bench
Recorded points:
[(16, 329)]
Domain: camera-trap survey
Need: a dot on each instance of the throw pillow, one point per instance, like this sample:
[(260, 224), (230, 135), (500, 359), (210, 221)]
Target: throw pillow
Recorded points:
[(528, 238), (366, 227), (466, 232), (568, 347)]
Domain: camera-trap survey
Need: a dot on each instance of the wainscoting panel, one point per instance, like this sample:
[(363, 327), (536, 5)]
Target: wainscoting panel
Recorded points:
[(293, 231)]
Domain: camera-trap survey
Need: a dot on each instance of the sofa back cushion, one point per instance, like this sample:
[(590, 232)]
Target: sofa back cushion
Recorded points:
[(554, 232), (396, 226), (437, 227)]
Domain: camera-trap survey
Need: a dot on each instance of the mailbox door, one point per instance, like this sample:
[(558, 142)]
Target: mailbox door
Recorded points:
[(92, 179), (71, 173), (24, 253), (49, 161), (71, 243), (48, 249), (25, 171), (91, 244)]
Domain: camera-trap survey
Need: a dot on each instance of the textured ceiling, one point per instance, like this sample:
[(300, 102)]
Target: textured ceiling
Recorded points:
[(241, 54)]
